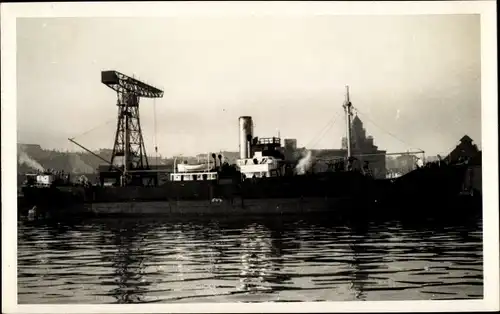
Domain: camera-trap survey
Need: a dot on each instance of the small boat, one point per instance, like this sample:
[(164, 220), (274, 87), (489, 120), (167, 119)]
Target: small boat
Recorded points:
[(193, 168)]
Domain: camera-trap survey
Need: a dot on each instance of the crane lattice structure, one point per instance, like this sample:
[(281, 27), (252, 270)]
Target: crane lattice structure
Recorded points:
[(129, 142)]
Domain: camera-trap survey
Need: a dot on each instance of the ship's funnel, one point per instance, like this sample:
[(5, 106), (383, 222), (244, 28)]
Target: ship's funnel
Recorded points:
[(246, 131)]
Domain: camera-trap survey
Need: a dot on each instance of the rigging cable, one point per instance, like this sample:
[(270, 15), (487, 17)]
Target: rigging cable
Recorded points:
[(319, 134), (389, 133), (322, 133), (155, 132), (90, 130), (325, 131), (94, 128), (314, 139)]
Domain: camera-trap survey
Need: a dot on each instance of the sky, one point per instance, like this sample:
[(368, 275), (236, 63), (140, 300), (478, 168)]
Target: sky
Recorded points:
[(414, 80)]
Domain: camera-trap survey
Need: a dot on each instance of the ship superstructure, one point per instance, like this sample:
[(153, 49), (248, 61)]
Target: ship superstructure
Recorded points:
[(261, 166), (259, 157)]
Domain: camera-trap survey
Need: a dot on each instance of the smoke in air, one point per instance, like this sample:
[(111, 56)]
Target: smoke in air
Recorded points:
[(28, 161), (304, 164)]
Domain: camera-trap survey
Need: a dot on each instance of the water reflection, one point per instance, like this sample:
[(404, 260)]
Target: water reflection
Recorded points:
[(126, 258), (261, 259), (210, 260), (358, 276)]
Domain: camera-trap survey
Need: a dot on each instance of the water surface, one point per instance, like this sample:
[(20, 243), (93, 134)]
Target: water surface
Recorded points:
[(247, 260)]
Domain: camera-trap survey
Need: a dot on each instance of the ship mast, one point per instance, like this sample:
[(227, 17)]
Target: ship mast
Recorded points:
[(347, 108)]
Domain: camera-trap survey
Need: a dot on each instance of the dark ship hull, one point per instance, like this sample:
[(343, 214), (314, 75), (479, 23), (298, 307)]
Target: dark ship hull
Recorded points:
[(340, 193), (51, 201), (280, 195), (435, 191), (297, 194)]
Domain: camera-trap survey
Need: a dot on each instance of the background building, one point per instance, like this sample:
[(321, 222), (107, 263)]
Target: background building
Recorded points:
[(289, 149), (363, 148), (465, 150), (290, 143)]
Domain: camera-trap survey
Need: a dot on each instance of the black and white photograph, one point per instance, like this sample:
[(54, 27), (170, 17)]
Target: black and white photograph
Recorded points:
[(246, 156)]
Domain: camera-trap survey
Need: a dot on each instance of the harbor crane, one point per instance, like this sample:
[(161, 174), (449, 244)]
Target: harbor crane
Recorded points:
[(129, 143)]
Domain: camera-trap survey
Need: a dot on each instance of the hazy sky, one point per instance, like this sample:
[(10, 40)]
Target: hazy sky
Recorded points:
[(415, 77)]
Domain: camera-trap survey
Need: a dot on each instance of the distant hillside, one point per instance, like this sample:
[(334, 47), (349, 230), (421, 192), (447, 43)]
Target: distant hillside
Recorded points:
[(229, 157), (32, 157)]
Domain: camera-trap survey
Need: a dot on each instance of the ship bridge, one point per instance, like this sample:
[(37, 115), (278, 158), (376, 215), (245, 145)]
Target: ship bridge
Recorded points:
[(267, 146), (260, 166), (267, 160)]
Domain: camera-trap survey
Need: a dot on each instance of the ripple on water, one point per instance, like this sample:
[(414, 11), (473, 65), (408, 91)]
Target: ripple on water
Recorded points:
[(125, 261)]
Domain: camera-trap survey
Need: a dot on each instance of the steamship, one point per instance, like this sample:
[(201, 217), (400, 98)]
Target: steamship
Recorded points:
[(261, 182)]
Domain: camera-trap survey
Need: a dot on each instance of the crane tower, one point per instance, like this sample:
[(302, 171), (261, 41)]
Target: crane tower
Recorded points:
[(129, 142)]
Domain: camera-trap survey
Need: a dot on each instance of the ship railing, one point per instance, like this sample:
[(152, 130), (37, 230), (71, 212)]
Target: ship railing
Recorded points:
[(42, 185), (269, 140)]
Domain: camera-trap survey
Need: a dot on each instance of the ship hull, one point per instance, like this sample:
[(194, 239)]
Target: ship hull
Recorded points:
[(220, 207), (341, 194), (49, 197), (339, 208), (329, 185), (300, 196)]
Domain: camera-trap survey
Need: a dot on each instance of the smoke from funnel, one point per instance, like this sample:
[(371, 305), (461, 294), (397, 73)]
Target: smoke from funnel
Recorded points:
[(28, 161), (304, 164)]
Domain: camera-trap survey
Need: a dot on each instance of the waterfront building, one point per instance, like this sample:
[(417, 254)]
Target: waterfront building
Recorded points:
[(463, 151), (364, 149)]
